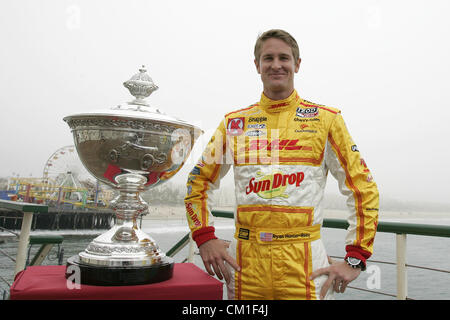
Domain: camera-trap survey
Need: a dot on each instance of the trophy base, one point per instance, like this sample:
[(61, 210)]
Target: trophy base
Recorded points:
[(119, 276)]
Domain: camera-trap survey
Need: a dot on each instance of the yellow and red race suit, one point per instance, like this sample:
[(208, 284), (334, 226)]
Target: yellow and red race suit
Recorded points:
[(281, 152)]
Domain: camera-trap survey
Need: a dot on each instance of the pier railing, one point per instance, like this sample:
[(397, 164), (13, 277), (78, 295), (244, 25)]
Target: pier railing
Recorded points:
[(400, 229)]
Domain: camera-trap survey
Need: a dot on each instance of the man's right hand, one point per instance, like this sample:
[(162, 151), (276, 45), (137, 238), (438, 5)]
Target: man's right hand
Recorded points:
[(214, 253)]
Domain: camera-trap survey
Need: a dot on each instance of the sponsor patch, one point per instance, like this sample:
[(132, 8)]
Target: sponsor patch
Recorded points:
[(363, 163), (235, 126), (307, 112), (257, 119), (192, 212), (195, 171), (310, 131), (191, 178), (303, 127), (255, 133), (279, 105), (355, 148), (276, 144), (257, 126), (244, 234), (306, 119), (273, 185)]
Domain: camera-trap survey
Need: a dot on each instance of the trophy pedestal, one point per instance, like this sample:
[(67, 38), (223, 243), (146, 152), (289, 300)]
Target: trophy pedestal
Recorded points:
[(123, 256), (99, 275)]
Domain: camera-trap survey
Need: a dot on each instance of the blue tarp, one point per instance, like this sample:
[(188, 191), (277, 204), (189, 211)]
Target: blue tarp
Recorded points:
[(4, 194)]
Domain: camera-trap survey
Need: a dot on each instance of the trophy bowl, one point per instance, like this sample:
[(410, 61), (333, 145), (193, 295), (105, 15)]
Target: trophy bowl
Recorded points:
[(132, 147)]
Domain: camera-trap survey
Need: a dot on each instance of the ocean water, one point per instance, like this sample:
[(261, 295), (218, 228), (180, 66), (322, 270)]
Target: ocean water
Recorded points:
[(423, 251)]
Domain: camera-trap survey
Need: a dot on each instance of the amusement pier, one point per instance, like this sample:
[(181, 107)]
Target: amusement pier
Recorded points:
[(75, 199)]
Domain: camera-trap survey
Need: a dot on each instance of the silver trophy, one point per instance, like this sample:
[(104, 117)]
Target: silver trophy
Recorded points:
[(131, 147)]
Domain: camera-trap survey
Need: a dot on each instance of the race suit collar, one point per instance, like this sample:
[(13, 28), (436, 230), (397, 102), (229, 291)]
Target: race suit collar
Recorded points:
[(279, 105)]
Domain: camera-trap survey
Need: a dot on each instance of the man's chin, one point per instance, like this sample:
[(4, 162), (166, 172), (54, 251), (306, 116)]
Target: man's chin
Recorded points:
[(278, 87)]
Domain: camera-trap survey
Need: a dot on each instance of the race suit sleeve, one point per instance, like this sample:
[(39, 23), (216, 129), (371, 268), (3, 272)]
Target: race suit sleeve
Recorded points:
[(202, 180), (356, 183)]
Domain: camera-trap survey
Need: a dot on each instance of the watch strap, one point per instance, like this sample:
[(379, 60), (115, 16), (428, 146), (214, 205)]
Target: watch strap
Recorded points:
[(358, 253), (361, 265)]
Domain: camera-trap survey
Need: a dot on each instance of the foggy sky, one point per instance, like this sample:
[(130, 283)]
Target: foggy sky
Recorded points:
[(385, 64)]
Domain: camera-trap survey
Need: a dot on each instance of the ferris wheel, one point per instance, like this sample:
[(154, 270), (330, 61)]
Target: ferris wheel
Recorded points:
[(64, 167)]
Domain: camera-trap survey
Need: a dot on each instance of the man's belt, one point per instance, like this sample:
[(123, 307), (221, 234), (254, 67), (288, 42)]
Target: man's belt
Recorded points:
[(277, 235)]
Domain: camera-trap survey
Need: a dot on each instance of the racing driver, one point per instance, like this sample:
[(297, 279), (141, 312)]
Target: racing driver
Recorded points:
[(281, 149)]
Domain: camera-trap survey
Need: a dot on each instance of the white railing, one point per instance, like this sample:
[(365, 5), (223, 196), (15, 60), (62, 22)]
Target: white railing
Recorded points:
[(400, 229)]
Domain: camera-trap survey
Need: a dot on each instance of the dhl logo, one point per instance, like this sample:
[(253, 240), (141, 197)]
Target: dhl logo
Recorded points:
[(276, 144), (273, 185), (283, 104)]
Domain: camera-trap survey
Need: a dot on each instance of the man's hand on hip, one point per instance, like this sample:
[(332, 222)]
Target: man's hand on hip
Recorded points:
[(214, 253), (340, 274)]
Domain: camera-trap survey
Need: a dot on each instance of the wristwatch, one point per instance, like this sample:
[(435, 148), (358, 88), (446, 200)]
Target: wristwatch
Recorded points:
[(355, 263)]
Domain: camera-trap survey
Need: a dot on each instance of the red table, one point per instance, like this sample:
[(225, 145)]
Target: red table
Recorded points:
[(49, 283)]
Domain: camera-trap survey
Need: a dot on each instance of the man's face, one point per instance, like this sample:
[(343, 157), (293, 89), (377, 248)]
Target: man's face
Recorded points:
[(276, 66)]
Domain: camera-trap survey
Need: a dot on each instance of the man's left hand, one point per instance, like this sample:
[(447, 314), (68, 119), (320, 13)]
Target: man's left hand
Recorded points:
[(340, 274)]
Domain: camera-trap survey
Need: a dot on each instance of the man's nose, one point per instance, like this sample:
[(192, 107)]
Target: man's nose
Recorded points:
[(276, 63)]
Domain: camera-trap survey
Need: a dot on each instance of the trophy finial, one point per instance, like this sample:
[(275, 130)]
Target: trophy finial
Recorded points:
[(141, 86)]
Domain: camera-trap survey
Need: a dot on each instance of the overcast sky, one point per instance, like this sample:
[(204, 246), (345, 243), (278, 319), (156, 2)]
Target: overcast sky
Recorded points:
[(385, 64)]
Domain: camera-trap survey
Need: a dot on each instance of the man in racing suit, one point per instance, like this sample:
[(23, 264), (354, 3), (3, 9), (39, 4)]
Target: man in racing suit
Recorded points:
[(281, 149)]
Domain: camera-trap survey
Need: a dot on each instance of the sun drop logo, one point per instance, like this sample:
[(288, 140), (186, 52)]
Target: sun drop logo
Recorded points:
[(273, 184), (192, 211)]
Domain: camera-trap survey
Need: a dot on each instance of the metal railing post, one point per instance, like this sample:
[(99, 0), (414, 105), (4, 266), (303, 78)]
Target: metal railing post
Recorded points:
[(402, 281), (23, 242)]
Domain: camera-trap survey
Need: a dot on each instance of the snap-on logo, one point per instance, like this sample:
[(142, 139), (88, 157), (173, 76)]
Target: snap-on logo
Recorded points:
[(273, 185), (307, 112), (235, 126)]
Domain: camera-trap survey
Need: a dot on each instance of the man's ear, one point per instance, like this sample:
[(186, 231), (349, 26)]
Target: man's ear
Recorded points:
[(257, 66), (297, 65)]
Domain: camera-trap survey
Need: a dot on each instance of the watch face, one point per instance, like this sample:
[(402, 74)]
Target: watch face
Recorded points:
[(353, 261)]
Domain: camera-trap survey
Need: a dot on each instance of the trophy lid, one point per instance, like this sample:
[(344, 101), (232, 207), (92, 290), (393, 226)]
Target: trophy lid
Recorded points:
[(141, 87)]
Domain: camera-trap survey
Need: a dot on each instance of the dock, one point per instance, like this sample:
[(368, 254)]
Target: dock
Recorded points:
[(59, 219)]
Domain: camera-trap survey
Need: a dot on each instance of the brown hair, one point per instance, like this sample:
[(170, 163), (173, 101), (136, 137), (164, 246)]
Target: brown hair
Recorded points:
[(279, 34)]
